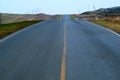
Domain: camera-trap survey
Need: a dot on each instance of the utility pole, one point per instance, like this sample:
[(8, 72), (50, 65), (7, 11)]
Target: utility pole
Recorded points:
[(32, 11), (78, 11), (93, 7), (88, 8)]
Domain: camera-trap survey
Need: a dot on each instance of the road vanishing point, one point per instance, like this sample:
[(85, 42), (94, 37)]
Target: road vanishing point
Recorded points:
[(61, 50)]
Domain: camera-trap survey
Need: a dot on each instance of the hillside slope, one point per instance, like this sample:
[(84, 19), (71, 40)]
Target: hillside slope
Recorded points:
[(9, 18), (114, 11)]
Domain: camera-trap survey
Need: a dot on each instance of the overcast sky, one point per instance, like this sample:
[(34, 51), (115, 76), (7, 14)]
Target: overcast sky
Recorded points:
[(54, 6)]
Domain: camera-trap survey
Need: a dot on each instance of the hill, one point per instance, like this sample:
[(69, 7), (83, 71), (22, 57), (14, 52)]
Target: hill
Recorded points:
[(114, 11), (110, 14), (9, 18)]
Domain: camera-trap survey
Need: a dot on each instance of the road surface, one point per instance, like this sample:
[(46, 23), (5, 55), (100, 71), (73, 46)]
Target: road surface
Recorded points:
[(61, 50)]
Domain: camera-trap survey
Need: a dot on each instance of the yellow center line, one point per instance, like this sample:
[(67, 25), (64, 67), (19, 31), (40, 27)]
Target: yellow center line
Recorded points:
[(63, 70)]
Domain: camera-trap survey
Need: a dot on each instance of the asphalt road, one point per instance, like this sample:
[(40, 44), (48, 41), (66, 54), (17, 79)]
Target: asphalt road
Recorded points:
[(37, 53), (33, 54)]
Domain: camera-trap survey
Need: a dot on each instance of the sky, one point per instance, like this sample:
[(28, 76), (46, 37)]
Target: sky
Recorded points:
[(54, 6)]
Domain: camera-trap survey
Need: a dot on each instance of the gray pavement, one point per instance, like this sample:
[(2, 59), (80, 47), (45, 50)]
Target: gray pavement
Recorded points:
[(92, 52), (33, 54)]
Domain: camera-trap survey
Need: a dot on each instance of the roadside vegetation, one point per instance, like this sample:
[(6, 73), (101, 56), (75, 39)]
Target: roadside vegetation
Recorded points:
[(59, 17), (6, 29), (108, 17), (72, 17), (115, 26)]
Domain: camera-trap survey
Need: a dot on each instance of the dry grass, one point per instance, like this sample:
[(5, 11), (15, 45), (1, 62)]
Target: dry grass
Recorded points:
[(59, 17), (73, 16), (6, 29), (115, 26)]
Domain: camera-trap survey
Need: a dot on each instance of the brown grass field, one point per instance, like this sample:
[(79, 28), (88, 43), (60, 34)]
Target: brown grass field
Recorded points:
[(115, 26), (6, 29)]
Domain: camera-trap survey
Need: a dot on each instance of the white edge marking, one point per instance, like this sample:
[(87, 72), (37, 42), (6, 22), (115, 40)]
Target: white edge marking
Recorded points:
[(107, 29), (113, 32), (104, 28)]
